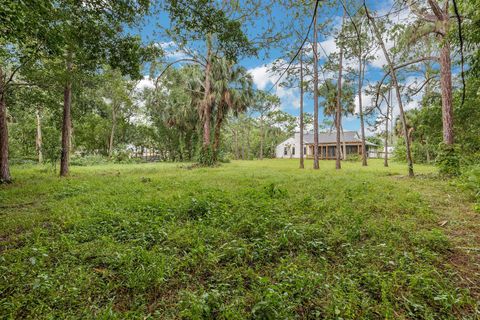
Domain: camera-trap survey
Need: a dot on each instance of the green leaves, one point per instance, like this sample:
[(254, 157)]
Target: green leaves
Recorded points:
[(194, 20)]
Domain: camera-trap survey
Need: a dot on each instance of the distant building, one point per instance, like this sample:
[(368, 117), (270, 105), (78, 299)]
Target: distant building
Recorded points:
[(374, 153), (327, 145)]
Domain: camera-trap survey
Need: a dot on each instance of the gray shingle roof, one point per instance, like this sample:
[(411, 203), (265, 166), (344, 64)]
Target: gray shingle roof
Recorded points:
[(331, 137)]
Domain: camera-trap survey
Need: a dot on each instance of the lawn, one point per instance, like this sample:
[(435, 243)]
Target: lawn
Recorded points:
[(246, 240)]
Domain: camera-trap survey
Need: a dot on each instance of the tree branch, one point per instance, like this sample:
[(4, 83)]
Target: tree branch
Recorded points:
[(421, 15), (172, 63), (436, 9)]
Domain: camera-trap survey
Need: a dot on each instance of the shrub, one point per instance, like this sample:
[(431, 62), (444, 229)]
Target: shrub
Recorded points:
[(353, 157), (88, 160), (207, 157), (470, 180), (448, 160)]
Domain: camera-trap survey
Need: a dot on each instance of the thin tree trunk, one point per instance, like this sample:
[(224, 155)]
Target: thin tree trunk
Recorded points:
[(262, 137), (66, 124), (112, 132), (4, 167), (243, 142), (206, 104), (38, 140), (385, 160), (360, 106), (315, 95), (301, 111), (338, 116), (248, 143), (427, 150), (446, 86), (397, 90), (237, 151)]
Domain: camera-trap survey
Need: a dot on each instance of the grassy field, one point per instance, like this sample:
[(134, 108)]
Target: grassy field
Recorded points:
[(246, 240)]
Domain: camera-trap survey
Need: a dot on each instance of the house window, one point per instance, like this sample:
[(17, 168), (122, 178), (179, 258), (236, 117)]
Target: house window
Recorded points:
[(304, 150), (293, 150), (285, 151)]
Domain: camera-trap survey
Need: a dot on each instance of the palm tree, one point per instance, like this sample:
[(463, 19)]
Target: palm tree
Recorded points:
[(233, 92), (328, 91)]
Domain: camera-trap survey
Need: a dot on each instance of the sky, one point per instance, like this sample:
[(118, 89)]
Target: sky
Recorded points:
[(259, 67)]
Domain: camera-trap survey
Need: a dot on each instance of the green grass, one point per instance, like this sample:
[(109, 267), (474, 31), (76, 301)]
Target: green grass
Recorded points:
[(246, 240)]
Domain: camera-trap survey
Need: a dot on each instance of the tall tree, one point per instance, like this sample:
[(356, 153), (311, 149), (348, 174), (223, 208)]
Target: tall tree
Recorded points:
[(233, 92), (434, 18), (315, 94), (338, 113), (301, 112), (91, 36), (359, 46), (212, 25), (395, 84), (264, 103), (23, 39)]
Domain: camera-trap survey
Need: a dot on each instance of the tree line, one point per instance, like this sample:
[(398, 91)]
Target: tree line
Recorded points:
[(74, 80)]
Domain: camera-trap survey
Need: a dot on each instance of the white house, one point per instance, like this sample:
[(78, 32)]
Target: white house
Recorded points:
[(327, 142)]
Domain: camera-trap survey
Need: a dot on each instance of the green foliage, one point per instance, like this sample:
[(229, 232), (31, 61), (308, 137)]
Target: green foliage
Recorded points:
[(88, 160), (470, 180), (194, 20), (240, 241), (207, 157), (51, 145), (273, 191), (425, 128), (353, 157), (448, 160)]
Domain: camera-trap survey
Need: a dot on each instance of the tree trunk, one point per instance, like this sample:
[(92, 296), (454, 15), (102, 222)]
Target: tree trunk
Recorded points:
[(112, 132), (427, 150), (397, 90), (360, 106), (301, 111), (248, 143), (338, 115), (216, 135), (446, 86), (4, 168), (237, 151), (385, 160), (262, 137), (206, 103), (66, 125), (315, 95), (38, 140)]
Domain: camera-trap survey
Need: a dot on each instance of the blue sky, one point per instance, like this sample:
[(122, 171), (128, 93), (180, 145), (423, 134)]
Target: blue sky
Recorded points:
[(259, 66)]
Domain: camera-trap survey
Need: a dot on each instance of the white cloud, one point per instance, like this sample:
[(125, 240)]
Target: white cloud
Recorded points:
[(172, 52), (264, 78), (261, 77), (327, 47), (146, 82)]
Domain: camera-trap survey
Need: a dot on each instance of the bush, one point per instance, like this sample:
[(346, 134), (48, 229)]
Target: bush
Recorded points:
[(448, 160), (124, 157), (400, 151), (88, 160), (470, 180), (353, 157), (26, 161), (207, 157)]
